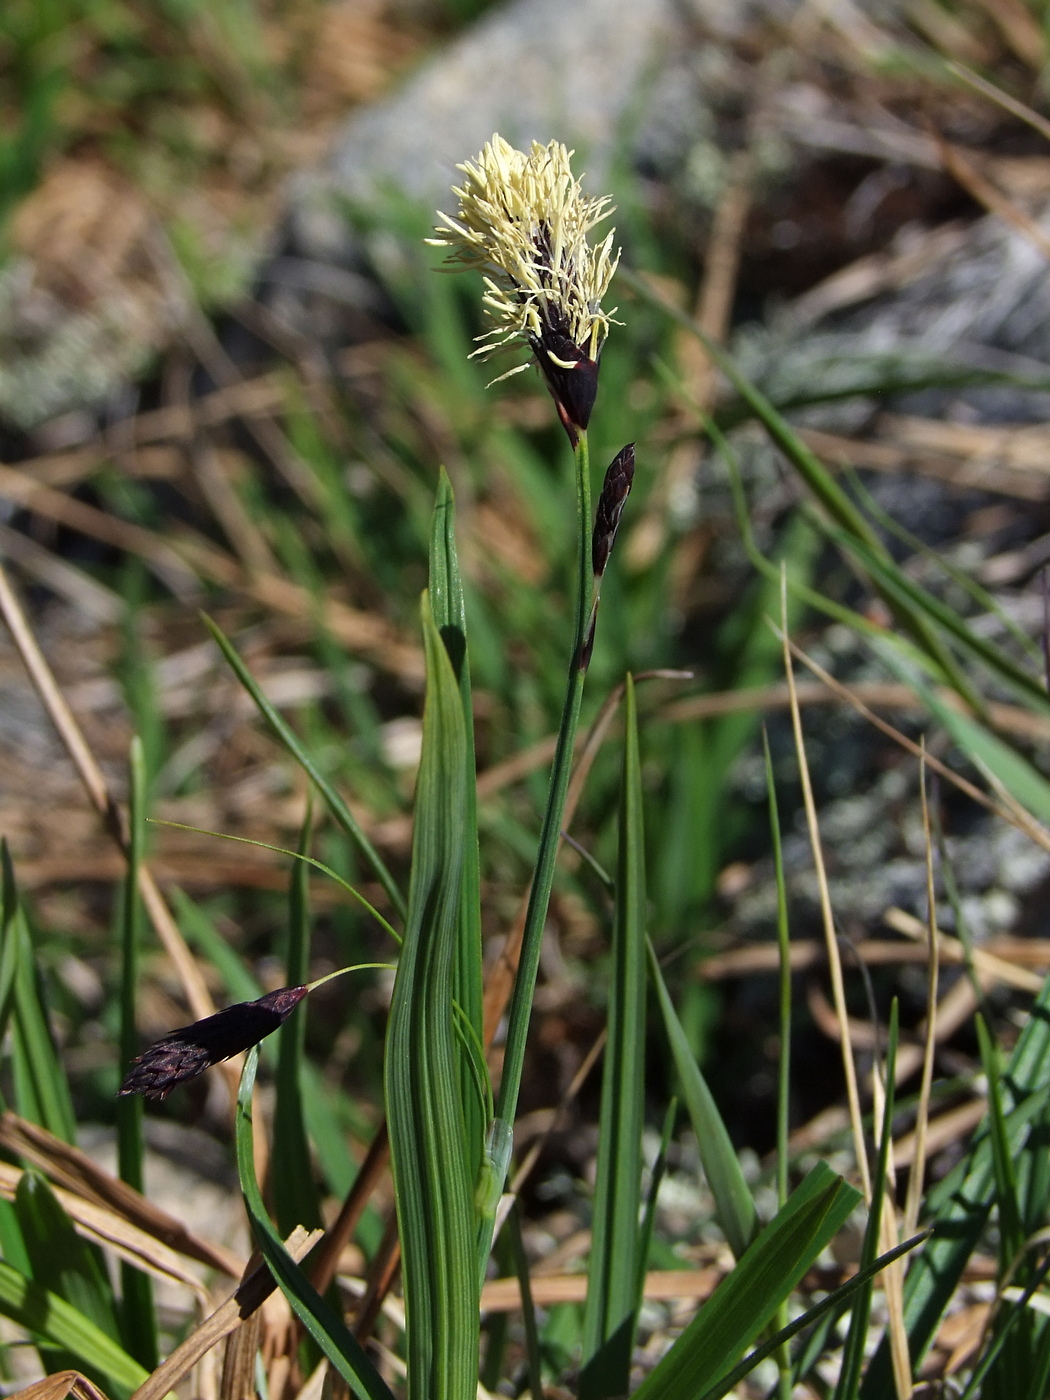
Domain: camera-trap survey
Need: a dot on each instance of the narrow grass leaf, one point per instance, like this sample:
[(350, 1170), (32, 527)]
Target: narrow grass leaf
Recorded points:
[(734, 1204), (336, 805), (326, 1327), (958, 1207), (856, 1339), (1021, 779), (1028, 686), (801, 592), (817, 478), (40, 1085), (9, 941), (1011, 1232), (645, 1234), (528, 1311), (784, 950), (747, 1299), (611, 1311), (291, 1171), (139, 1317), (47, 1315), (831, 1306), (1008, 1356), (434, 1180), (63, 1263), (983, 1382), (450, 618)]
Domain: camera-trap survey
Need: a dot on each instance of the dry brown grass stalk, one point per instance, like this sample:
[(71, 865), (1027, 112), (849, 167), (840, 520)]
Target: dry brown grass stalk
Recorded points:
[(827, 915), (73, 1171), (252, 1293)]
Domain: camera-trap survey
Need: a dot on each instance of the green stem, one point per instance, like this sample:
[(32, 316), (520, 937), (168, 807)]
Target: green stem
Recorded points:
[(783, 1356), (550, 835)]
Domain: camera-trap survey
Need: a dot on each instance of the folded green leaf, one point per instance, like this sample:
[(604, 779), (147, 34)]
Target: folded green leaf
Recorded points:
[(426, 1069), (450, 618)]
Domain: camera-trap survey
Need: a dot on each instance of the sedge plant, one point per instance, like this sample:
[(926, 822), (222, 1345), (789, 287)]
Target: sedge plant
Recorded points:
[(524, 222)]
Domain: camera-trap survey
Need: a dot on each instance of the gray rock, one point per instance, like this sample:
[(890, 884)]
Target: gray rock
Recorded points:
[(531, 70)]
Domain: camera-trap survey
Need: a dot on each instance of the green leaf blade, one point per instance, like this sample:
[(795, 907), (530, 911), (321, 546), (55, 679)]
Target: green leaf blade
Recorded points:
[(609, 1322), (294, 1194), (284, 732), (433, 1177), (748, 1298), (734, 1204), (326, 1327)]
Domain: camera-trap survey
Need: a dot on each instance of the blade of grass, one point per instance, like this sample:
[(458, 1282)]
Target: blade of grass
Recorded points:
[(832, 1305), (610, 1316), (748, 1298), (325, 1326), (9, 934), (295, 855), (784, 1069), (450, 618), (856, 1338), (528, 1310), (800, 591), (980, 1372), (550, 832), (916, 1180), (140, 1325), (645, 1233), (291, 1171), (964, 580), (734, 1204), (1011, 1233), (63, 1263), (1022, 780), (827, 916), (1030, 688), (41, 1089), (51, 1317), (817, 478), (784, 947), (284, 732), (958, 1207), (1012, 1353), (423, 1066)]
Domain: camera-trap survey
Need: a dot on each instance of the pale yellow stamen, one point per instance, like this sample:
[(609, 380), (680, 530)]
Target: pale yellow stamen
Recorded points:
[(523, 220)]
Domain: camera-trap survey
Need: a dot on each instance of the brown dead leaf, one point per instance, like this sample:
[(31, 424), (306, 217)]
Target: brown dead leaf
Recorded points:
[(63, 1385)]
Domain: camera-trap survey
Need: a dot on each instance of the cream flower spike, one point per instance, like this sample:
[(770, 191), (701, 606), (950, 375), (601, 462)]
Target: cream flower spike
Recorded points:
[(523, 221)]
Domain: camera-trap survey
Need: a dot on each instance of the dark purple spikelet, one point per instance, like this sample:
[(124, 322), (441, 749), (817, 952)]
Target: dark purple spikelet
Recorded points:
[(574, 389), (184, 1053), (615, 490)]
